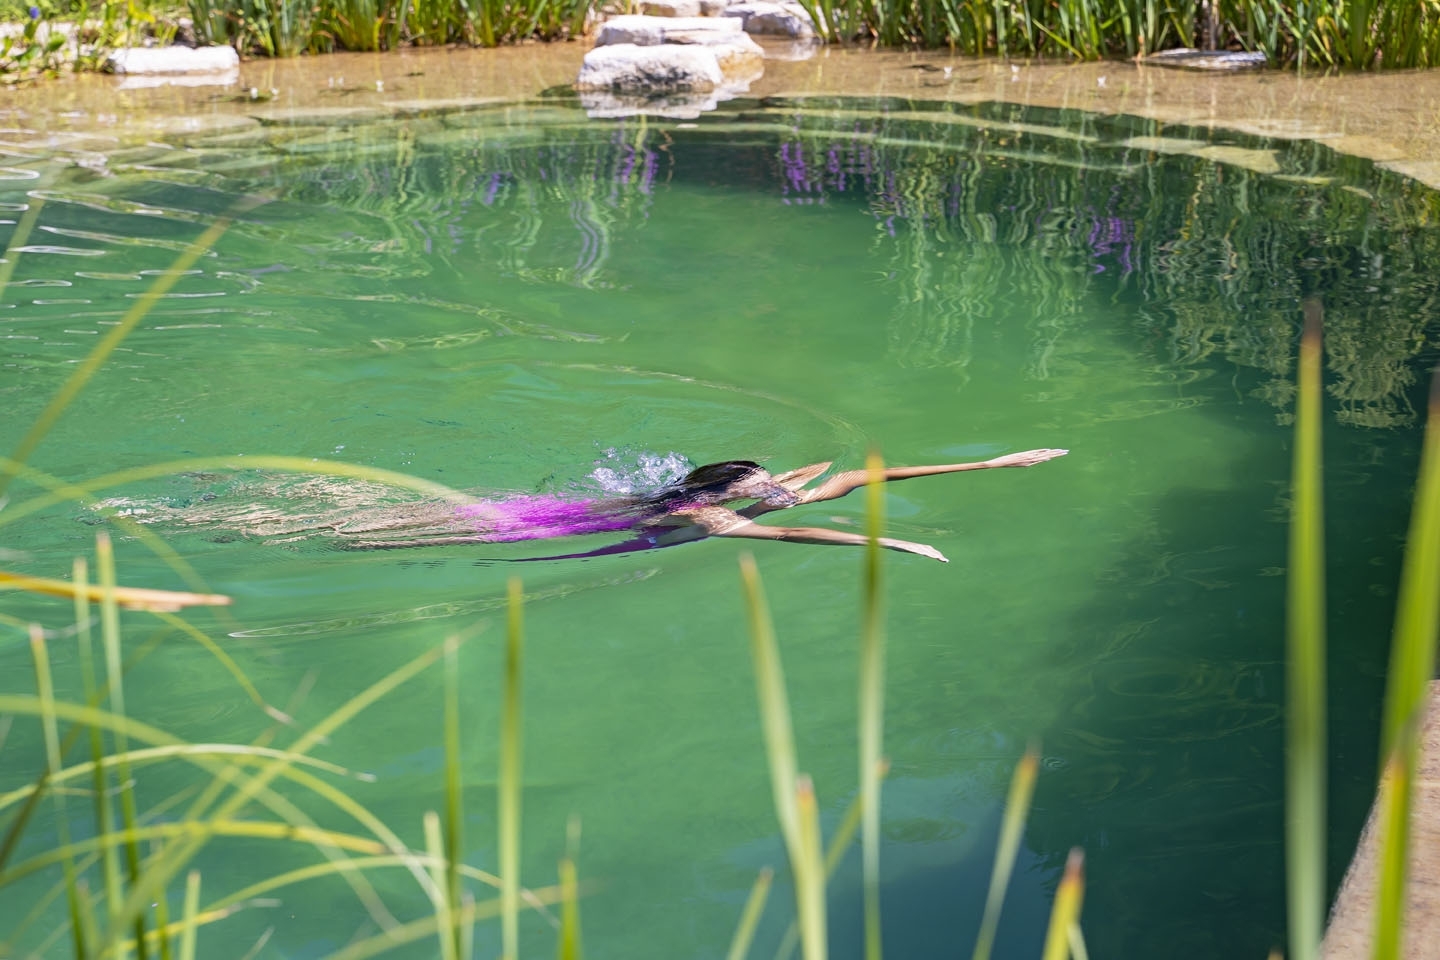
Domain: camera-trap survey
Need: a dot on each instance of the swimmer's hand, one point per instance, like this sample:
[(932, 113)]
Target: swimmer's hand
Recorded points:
[(1026, 459), (923, 549)]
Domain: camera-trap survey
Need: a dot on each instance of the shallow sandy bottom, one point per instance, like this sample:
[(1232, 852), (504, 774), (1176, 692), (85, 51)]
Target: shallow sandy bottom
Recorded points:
[(1393, 119)]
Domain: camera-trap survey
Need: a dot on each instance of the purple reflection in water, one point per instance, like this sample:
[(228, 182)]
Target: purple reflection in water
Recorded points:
[(492, 187)]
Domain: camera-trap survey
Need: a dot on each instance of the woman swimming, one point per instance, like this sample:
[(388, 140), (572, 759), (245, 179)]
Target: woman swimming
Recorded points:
[(688, 509)]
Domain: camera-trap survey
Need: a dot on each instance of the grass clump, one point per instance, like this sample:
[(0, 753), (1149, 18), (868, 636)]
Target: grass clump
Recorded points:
[(1348, 34), (1353, 34), (284, 28)]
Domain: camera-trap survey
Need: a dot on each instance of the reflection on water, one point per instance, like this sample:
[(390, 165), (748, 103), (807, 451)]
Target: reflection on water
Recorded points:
[(496, 297), (1217, 252)]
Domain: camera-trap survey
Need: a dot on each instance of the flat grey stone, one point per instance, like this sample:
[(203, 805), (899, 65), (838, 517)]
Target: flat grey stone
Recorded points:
[(773, 19), (650, 31), (671, 8), (628, 67), (739, 56), (1186, 58), (158, 60)]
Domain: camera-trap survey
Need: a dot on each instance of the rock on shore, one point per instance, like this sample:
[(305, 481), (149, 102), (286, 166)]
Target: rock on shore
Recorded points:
[(168, 60)]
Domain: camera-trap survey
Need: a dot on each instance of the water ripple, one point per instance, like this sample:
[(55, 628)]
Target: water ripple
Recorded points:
[(434, 611), (63, 251), (118, 240)]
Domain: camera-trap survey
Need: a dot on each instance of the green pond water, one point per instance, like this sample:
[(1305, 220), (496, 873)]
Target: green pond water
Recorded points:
[(514, 298)]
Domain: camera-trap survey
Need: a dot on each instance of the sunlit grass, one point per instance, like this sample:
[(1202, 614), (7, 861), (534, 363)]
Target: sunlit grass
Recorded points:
[(1351, 34), (750, 915), (1065, 912), (872, 702), (1012, 828), (1357, 34), (285, 28), (508, 801), (1305, 662), (1412, 666)]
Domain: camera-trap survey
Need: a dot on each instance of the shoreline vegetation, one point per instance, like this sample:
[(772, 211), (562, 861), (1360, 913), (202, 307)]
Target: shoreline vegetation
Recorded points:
[(46, 36)]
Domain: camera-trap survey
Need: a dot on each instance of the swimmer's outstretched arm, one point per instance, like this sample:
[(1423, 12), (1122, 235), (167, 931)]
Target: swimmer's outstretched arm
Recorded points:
[(843, 483), (722, 522)]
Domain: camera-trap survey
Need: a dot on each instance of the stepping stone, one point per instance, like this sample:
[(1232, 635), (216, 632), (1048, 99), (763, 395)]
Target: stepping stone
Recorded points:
[(649, 31), (1186, 58), (773, 19), (671, 8), (631, 68), (161, 60)]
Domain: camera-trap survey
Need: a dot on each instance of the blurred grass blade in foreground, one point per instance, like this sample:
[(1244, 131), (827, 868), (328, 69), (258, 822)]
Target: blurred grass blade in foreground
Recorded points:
[(872, 701), (1012, 828), (510, 765), (1065, 914), (750, 916), (569, 946), (840, 841), (794, 795), (774, 706), (454, 797), (1305, 782), (132, 598), (1412, 667)]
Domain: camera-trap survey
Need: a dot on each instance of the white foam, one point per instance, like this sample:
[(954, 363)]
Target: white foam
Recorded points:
[(627, 471)]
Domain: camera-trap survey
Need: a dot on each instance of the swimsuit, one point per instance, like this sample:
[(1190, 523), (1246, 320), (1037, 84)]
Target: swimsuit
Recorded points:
[(540, 517)]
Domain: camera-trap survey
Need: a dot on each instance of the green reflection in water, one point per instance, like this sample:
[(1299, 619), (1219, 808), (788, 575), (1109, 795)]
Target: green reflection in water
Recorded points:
[(496, 298)]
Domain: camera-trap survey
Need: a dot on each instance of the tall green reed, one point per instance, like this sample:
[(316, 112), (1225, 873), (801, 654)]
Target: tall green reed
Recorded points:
[(872, 701), (796, 807), (1305, 661), (508, 801), (282, 28), (1412, 666), (1353, 34)]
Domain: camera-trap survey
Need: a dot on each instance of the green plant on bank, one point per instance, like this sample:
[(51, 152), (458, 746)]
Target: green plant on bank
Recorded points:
[(1354, 34), (287, 27), (55, 34), (36, 49), (1349, 34), (116, 883)]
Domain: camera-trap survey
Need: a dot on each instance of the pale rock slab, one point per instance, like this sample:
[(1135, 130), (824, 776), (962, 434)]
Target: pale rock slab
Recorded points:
[(663, 68), (649, 31), (773, 19), (740, 57), (163, 60), (671, 8)]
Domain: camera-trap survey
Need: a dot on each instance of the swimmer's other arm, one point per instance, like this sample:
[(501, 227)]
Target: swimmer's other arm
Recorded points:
[(740, 524), (843, 483), (720, 522)]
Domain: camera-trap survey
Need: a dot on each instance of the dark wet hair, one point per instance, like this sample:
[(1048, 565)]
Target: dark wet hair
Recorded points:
[(718, 475), (709, 485)]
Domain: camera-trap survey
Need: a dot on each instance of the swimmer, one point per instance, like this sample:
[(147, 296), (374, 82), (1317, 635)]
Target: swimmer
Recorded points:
[(692, 508)]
